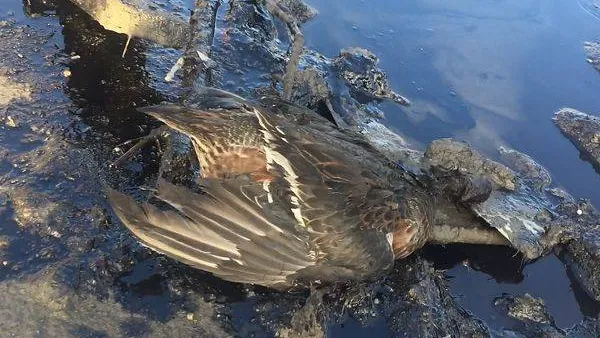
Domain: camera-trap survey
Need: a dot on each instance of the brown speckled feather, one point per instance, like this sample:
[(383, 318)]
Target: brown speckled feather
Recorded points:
[(289, 198)]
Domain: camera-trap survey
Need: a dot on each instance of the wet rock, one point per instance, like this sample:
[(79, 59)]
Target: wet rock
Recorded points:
[(305, 322), (593, 53), (198, 52), (525, 308), (588, 328), (533, 320), (299, 10), (33, 210), (310, 88), (359, 68), (137, 18), (454, 155), (39, 7), (526, 167), (392, 145), (413, 300), (582, 251), (248, 49), (561, 194), (12, 90), (416, 302), (583, 131)]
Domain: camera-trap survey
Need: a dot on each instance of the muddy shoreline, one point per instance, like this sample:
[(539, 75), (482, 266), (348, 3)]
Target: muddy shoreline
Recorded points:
[(70, 269)]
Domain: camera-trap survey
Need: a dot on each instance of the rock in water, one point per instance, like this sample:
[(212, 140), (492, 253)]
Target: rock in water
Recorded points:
[(526, 167), (525, 308), (534, 320), (583, 252), (583, 130), (451, 154), (358, 67), (514, 204)]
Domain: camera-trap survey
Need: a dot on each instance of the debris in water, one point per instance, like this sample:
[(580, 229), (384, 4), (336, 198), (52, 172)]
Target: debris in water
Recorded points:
[(593, 54), (10, 122), (526, 167), (583, 130), (525, 308), (451, 154), (359, 68), (176, 67)]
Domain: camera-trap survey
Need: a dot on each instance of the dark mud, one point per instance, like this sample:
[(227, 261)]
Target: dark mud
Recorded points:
[(70, 269)]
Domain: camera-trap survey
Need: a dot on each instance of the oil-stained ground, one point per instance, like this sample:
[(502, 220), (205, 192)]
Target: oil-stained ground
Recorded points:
[(68, 268)]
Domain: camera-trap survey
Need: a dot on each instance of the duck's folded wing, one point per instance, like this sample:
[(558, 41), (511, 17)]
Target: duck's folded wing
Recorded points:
[(220, 232), (332, 187), (227, 140)]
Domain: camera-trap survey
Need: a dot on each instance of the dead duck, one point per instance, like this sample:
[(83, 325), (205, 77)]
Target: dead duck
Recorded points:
[(289, 199)]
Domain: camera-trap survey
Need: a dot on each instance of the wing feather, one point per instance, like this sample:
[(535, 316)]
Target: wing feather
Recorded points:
[(311, 204), (219, 232)]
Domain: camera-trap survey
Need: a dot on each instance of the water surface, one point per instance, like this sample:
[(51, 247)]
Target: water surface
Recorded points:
[(488, 72), (491, 73)]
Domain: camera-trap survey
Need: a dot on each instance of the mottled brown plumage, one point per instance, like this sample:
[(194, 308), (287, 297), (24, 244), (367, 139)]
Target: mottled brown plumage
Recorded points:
[(288, 198)]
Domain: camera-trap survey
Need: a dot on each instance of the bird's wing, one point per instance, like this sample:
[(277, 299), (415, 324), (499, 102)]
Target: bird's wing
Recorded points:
[(322, 212), (338, 195), (227, 141), (220, 231), (334, 183)]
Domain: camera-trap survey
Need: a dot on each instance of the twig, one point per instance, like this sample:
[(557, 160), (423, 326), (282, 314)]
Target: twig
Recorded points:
[(139, 145)]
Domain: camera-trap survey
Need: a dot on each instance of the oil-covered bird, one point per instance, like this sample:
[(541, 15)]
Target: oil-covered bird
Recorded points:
[(289, 199)]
